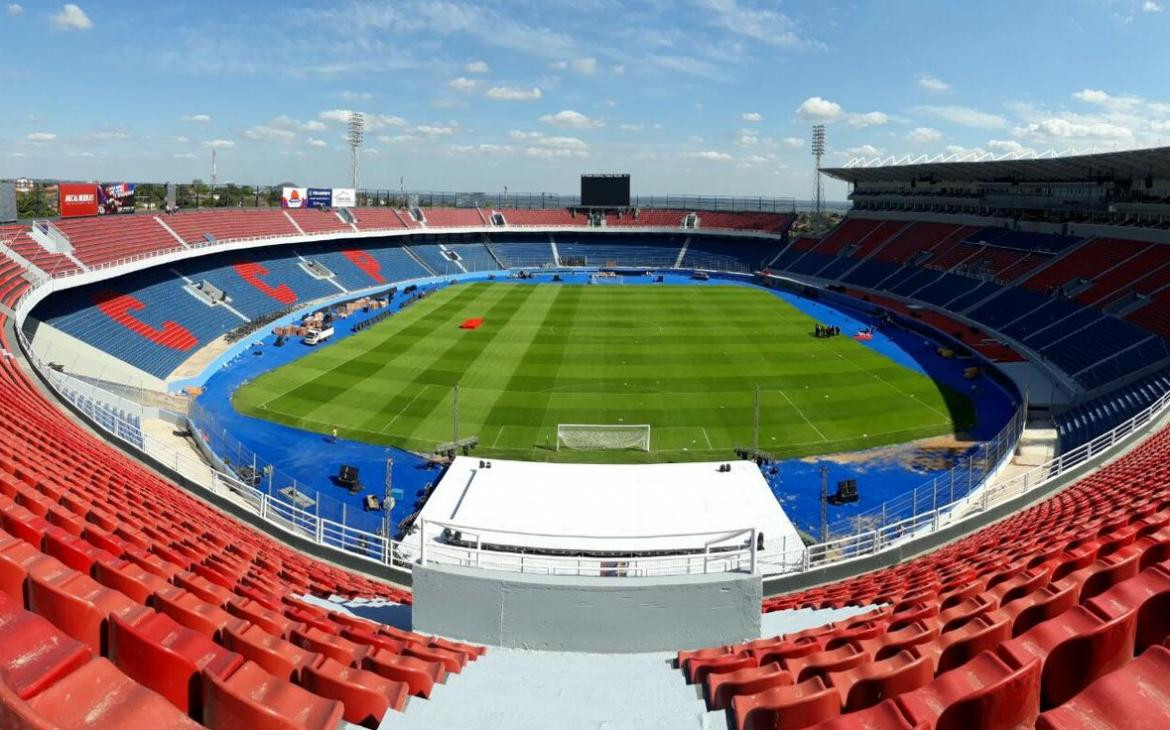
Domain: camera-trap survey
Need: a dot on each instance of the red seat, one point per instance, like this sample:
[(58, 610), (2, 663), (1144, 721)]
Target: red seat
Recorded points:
[(271, 621), (95, 696), (1075, 648), (366, 695), (205, 589), (250, 697), (342, 650), (17, 560), (794, 706), (698, 669), (72, 550), (131, 579), (34, 654), (80, 606), (1134, 696), (722, 687), (277, 656), (420, 676), (869, 684), (168, 658), (823, 662), (885, 715), (1148, 593), (188, 610), (983, 693)]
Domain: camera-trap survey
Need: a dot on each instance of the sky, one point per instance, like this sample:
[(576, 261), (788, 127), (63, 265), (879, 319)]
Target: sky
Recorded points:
[(688, 96)]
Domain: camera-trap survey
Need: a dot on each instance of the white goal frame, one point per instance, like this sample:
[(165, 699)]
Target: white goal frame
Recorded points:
[(604, 436), (606, 278)]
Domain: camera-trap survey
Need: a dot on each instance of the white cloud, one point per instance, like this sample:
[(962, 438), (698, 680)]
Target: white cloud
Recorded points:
[(711, 156), (587, 66), (765, 25), (1061, 128), (818, 109), (269, 133), (752, 117), (477, 67), (746, 138), (933, 83), (618, 69), (15, 9), (1106, 100), (632, 127), (374, 122), (514, 93), (793, 142), (867, 119), (184, 155), (463, 84), (41, 137), (570, 119), (436, 130), (559, 65), (964, 116), (219, 144), (865, 150), (318, 143), (1007, 145), (197, 118), (1149, 6), (545, 147), (355, 95), (313, 126), (71, 17), (924, 134), (1160, 126)]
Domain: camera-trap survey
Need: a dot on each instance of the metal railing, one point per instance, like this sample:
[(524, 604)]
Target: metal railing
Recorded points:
[(956, 483)]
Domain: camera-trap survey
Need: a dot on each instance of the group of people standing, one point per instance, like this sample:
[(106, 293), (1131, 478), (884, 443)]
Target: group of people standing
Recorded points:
[(827, 330)]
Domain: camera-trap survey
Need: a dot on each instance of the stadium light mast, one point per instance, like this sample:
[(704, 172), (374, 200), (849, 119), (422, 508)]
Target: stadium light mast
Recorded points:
[(357, 131), (818, 151)]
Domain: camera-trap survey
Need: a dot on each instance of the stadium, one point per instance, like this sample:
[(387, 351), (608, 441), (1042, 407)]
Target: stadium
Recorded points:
[(331, 457)]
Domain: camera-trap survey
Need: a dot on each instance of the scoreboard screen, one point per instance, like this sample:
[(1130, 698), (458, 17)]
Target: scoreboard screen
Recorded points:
[(605, 191)]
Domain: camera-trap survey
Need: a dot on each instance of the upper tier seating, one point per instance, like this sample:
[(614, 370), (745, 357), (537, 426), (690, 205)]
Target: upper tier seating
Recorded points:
[(109, 238), (17, 239), (651, 251), (373, 219), (542, 217), (646, 217), (453, 217), (192, 227), (318, 221)]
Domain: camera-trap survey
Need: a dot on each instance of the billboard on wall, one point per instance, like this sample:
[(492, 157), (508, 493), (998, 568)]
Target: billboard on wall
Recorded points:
[(319, 198), (293, 198), (77, 199), (116, 198), (344, 197)]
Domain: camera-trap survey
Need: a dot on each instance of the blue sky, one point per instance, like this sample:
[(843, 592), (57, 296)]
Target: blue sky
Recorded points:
[(699, 96)]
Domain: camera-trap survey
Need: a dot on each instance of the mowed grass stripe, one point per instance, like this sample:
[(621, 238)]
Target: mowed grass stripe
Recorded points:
[(684, 359)]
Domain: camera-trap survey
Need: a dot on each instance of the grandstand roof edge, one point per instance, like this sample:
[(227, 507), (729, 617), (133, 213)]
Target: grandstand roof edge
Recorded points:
[(1128, 164)]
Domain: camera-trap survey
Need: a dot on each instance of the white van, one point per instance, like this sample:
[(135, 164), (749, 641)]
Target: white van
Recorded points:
[(315, 336)]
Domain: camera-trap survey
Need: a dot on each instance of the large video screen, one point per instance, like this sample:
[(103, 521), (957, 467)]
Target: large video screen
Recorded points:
[(605, 191)]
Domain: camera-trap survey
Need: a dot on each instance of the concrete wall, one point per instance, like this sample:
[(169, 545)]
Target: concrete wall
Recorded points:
[(52, 345), (608, 615)]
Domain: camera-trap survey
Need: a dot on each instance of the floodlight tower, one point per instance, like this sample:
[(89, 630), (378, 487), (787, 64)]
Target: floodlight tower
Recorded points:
[(357, 130), (818, 150)]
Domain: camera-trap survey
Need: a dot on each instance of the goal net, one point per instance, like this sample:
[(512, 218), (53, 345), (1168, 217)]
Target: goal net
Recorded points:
[(606, 277), (602, 436)]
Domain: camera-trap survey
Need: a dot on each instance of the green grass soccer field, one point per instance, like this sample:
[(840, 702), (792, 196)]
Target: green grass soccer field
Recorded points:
[(683, 359)]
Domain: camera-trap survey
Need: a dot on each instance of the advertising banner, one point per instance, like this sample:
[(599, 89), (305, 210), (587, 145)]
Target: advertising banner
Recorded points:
[(116, 198), (344, 197), (77, 199), (319, 198), (293, 198)]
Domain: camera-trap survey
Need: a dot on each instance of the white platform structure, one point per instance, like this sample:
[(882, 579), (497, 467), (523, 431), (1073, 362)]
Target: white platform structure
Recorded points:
[(601, 519)]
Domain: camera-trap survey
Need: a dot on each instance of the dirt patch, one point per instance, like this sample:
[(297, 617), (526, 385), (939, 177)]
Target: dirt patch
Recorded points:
[(936, 453)]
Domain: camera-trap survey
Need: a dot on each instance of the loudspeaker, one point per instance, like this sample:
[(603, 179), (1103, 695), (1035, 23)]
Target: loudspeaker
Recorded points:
[(347, 475)]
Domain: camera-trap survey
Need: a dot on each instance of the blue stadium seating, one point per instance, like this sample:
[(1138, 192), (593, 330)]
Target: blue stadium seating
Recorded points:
[(1085, 421), (650, 251), (475, 256), (523, 251), (730, 254)]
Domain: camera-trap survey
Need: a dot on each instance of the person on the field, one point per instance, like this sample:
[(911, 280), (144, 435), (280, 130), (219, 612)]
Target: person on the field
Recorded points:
[(333, 435)]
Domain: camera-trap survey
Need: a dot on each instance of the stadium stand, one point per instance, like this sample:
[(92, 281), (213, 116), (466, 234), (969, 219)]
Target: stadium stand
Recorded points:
[(104, 239), (192, 227), (373, 219), (318, 221), (452, 217), (1030, 615), (542, 217), (124, 602)]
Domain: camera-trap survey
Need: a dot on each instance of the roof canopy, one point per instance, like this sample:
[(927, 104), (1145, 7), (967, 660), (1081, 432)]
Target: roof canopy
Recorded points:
[(1127, 165)]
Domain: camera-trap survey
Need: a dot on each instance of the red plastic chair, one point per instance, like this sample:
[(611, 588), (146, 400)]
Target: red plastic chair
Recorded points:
[(1134, 696), (277, 656), (34, 653), (251, 698), (984, 693), (366, 695)]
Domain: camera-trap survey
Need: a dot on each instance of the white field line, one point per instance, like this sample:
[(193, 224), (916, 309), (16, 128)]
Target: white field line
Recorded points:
[(801, 414)]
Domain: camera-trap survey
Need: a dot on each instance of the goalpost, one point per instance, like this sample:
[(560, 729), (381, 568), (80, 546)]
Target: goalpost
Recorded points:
[(603, 436), (606, 277)]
